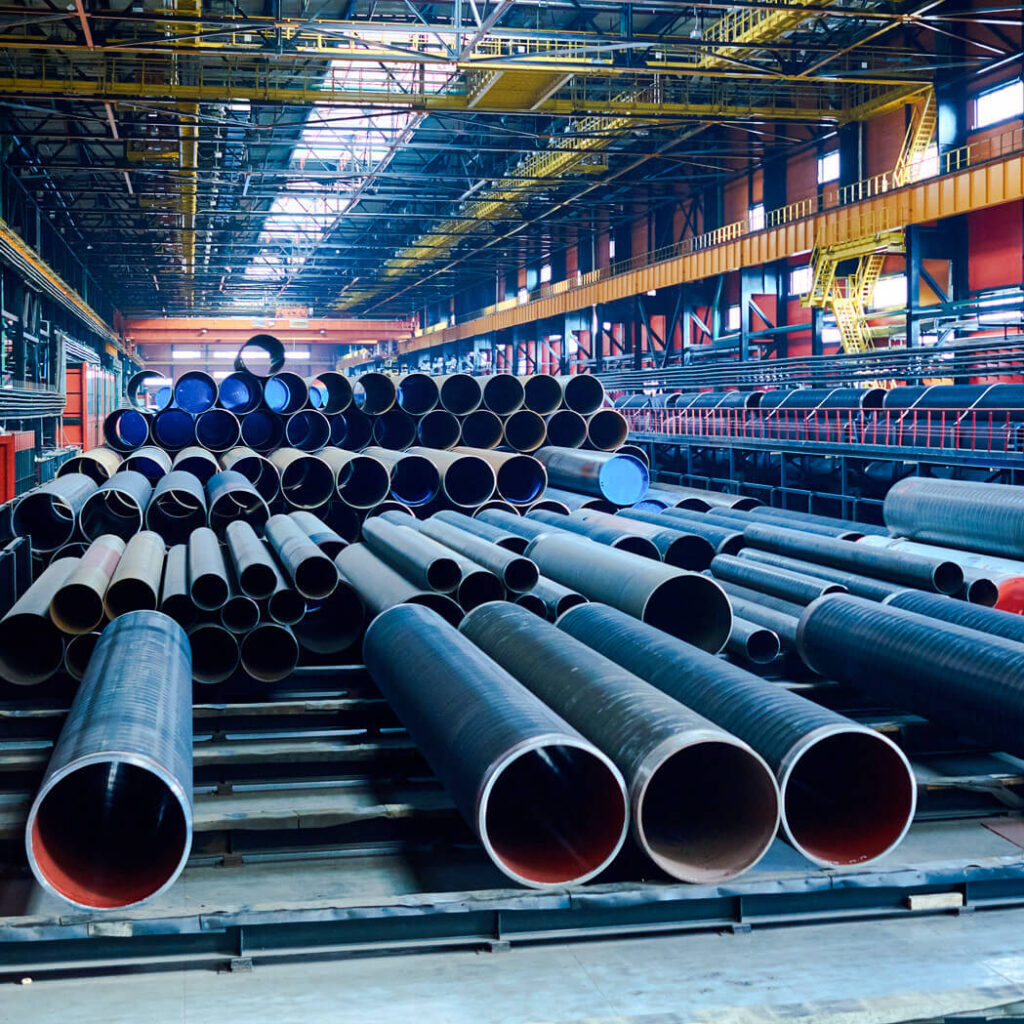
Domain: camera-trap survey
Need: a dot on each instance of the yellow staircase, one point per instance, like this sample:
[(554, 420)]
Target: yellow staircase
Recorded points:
[(738, 30), (919, 137)]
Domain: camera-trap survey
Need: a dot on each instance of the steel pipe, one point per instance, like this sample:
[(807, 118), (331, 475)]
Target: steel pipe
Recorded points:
[(607, 430), (477, 585), (135, 585), (913, 570), (613, 536), (256, 468), (636, 451), (174, 429), (360, 480), (47, 514), (124, 430), (741, 519), (269, 652), (215, 654), (566, 429), (848, 793), (466, 480), (571, 500), (724, 540), (262, 431), (394, 429), (548, 807), (381, 587), (860, 586), (135, 384), (482, 429), (503, 393), (78, 652), (542, 393), (980, 587), (768, 512), (693, 830), (460, 393), (175, 597), (684, 604), (438, 429), (200, 462), (542, 523), (269, 346), (415, 480), (700, 500), (674, 546), (769, 579), (152, 462), (374, 393), (326, 539), (417, 393), (240, 393), (620, 479), (752, 642), (331, 625), (207, 571), (532, 603), (774, 613), (307, 430), (557, 599), (218, 430), (77, 605), (352, 430), (98, 464), (972, 616), (285, 393), (582, 392), (117, 506), (337, 391), (240, 613), (480, 527), (251, 560), (525, 431), (520, 479), (285, 605), (389, 505), (518, 573), (177, 507), (342, 518), (31, 645), (421, 560), (230, 496), (195, 391), (545, 505), (111, 824), (310, 571)]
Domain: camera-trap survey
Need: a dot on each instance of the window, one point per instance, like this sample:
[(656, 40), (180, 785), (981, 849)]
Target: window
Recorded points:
[(524, 296), (611, 249), (926, 165), (800, 280), (186, 353), (890, 292), (830, 336), (828, 167), (545, 273), (999, 104), (755, 217), (732, 318)]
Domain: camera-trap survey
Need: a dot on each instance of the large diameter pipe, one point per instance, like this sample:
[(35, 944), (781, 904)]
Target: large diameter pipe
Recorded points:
[(518, 573), (395, 430), (566, 429), (174, 429), (352, 430), (269, 653), (848, 793), (285, 393), (963, 679), (240, 393), (136, 383), (311, 572), (124, 430), (117, 506), (307, 481), (326, 539), (135, 585), (218, 430), (374, 393), (111, 824), (542, 393), (481, 528), (548, 807), (262, 430), (207, 571), (418, 558), (414, 480), (913, 570), (466, 480), (343, 519), (526, 527), (571, 500), (541, 505), (675, 546), (982, 517), (195, 391), (307, 430), (860, 586), (360, 480), (336, 390), (47, 514), (77, 605), (380, 587), (607, 430), (256, 468), (525, 431), (78, 653), (503, 393), (769, 579), (687, 605), (460, 393), (700, 500), (331, 625), (260, 347), (614, 536), (215, 655), (972, 616), (438, 429), (417, 393), (582, 392), (200, 462), (230, 496), (620, 479), (98, 464), (152, 462), (252, 562), (750, 641), (482, 429), (724, 540), (557, 600), (31, 646), (704, 806), (521, 479), (175, 598), (177, 507)]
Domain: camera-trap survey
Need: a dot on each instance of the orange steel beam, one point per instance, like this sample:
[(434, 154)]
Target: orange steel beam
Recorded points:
[(182, 331), (84, 19), (991, 184)]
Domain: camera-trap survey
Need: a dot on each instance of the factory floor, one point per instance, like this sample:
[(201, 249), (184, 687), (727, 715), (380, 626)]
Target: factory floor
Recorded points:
[(864, 972)]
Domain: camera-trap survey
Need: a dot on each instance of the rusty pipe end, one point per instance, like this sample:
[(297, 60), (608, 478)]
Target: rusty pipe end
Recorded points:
[(553, 811), (848, 795), (705, 806)]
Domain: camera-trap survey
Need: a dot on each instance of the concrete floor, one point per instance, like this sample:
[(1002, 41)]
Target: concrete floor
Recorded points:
[(855, 973)]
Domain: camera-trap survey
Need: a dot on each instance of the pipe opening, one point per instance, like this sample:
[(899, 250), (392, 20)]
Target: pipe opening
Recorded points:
[(762, 646), (395, 430), (374, 393), (479, 587), (439, 429), (520, 575), (316, 578), (417, 394), (445, 606), (269, 653), (693, 553), (76, 608), (708, 812), (521, 479), (500, 505), (549, 505), (482, 429), (46, 519), (262, 431), (240, 392), (209, 590), (525, 431), (214, 653), (217, 430), (363, 482), (415, 480), (948, 577), (692, 608), (503, 394), (443, 575), (151, 466), (848, 798), (126, 429), (635, 545), (96, 468), (607, 430), (532, 603), (31, 649), (258, 348), (623, 480), (78, 653), (553, 815), (174, 515), (180, 608), (129, 595), (285, 393), (109, 834), (358, 432), (261, 473), (336, 391), (202, 467), (566, 429), (460, 394), (583, 393), (567, 601), (111, 511), (542, 394), (238, 504), (732, 545), (333, 624), (195, 391), (983, 591), (513, 542), (286, 606), (309, 430), (174, 429), (257, 580), (468, 481), (240, 614)]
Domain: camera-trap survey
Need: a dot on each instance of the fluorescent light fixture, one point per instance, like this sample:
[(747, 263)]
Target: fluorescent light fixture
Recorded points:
[(186, 353)]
